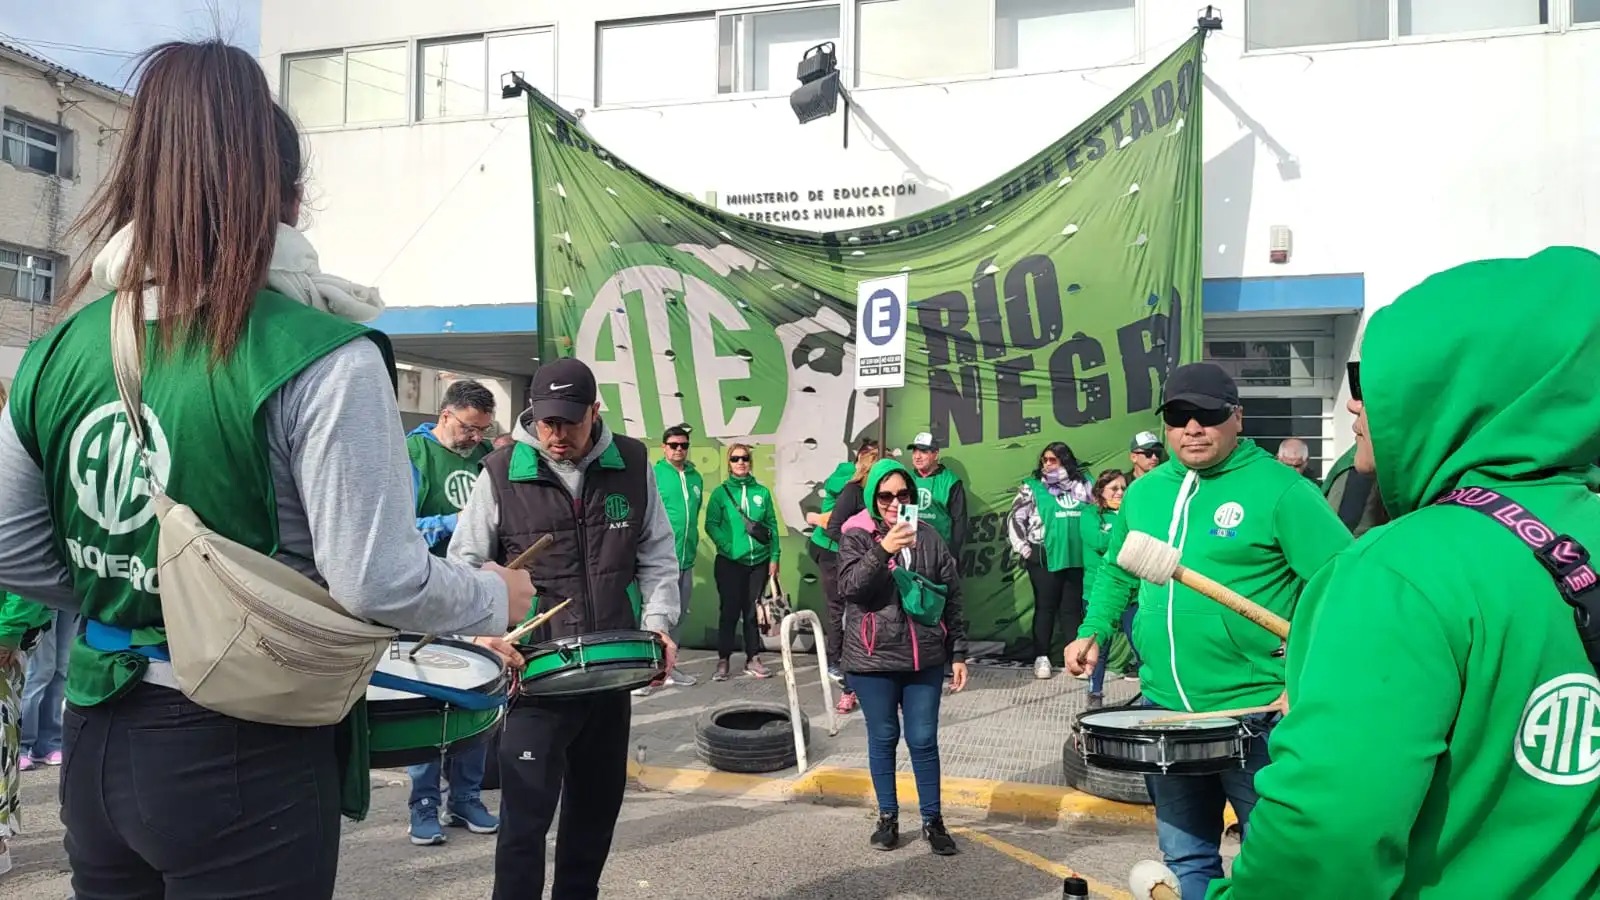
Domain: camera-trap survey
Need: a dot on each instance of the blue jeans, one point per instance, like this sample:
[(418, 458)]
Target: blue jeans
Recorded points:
[(1097, 679), (885, 698), (1189, 810), (466, 777), (45, 687)]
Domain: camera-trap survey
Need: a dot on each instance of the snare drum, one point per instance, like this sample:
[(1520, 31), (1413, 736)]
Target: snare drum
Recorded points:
[(1117, 739), (450, 697), (593, 663)]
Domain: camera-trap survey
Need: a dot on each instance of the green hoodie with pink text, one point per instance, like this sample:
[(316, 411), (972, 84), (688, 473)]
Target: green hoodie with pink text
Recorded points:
[(1443, 735)]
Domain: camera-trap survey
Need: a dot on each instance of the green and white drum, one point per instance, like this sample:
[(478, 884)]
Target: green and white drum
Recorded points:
[(593, 663), (451, 696)]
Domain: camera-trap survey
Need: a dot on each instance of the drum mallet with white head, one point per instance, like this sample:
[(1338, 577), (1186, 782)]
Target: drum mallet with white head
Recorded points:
[(1156, 561), (1151, 880), (522, 559)]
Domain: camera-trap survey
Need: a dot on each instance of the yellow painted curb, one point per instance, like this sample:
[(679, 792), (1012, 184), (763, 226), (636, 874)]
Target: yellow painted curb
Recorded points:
[(1002, 799)]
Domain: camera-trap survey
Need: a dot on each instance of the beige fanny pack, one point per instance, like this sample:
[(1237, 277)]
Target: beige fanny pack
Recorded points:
[(249, 637)]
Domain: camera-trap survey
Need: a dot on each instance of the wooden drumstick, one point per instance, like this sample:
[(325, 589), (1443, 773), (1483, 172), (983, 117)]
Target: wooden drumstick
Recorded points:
[(518, 632), (522, 559), (1152, 880), (1219, 714), (1156, 561), (1162, 892)]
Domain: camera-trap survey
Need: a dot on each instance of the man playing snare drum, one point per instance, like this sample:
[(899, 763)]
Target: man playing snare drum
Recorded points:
[(1244, 519), (1445, 739), (570, 477)]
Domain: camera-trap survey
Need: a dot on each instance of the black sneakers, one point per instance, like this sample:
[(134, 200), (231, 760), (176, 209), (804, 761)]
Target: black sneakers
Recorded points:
[(938, 838), (887, 835)]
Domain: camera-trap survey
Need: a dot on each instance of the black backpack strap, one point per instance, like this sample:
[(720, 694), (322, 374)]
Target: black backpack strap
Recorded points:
[(1562, 556)]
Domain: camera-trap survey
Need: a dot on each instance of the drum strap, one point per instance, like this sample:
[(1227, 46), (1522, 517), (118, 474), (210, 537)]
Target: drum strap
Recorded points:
[(1562, 556), (111, 639)]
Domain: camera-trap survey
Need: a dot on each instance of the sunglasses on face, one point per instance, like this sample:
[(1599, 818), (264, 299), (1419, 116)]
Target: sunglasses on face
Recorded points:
[(738, 459), (1352, 371), (677, 445), (1179, 417), (887, 497)]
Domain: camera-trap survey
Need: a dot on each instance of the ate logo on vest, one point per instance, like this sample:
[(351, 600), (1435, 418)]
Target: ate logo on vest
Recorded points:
[(924, 497), (108, 473), (617, 511), (458, 487), (1558, 740)]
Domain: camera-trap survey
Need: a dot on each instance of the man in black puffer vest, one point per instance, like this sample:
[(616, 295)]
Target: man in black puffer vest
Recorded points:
[(568, 476)]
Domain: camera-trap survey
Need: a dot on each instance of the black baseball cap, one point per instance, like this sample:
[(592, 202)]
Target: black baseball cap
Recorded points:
[(562, 389), (1202, 385), (675, 431)]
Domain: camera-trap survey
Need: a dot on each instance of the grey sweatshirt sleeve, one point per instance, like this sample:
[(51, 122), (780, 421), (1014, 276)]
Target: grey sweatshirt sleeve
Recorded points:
[(348, 460), (29, 566), (477, 525), (657, 569)]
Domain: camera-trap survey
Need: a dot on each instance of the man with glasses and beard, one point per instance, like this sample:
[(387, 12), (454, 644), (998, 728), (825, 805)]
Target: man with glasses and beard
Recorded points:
[(445, 457), (1239, 516), (593, 491)]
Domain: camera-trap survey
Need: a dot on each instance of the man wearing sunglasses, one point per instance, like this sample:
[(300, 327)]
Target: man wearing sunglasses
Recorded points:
[(595, 493), (1236, 515), (681, 488), (1145, 453), (1445, 734)]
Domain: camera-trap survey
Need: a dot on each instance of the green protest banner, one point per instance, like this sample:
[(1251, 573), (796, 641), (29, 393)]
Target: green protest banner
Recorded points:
[(1046, 305)]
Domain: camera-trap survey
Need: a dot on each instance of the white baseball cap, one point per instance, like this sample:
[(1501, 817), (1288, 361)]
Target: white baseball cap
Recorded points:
[(923, 441)]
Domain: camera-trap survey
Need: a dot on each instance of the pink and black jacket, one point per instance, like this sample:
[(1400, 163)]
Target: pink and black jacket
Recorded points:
[(878, 635)]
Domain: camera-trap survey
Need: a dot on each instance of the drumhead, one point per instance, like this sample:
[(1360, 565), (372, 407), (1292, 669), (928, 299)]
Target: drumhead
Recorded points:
[(620, 636), (445, 662), (1135, 719)]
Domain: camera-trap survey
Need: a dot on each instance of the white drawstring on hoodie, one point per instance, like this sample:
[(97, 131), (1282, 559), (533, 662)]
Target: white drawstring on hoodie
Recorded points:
[(293, 272)]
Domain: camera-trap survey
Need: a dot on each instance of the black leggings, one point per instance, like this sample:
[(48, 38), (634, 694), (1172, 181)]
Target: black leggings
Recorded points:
[(1055, 594), (738, 587)]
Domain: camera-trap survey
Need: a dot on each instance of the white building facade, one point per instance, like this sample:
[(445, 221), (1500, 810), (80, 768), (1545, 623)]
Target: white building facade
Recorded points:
[(58, 137), (1352, 146)]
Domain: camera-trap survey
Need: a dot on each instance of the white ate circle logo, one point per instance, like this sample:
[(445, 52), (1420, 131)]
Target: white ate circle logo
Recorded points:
[(1229, 515), (458, 487), (1558, 740), (108, 473)]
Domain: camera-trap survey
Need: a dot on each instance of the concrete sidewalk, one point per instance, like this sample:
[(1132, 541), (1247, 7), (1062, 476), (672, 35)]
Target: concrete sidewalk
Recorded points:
[(1000, 742)]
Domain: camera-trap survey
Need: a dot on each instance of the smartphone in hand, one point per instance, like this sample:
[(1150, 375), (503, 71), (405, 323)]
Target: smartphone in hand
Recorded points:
[(908, 517)]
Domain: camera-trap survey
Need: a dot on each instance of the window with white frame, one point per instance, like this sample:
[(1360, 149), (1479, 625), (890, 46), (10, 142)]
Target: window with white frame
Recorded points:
[(30, 145), (1273, 24), (27, 275), (1285, 371), (460, 76), (760, 50), (1048, 35), (656, 60), (357, 86), (906, 41)]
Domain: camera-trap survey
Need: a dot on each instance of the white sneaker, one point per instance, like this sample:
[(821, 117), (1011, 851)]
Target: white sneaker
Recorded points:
[(645, 691), (677, 678), (1041, 667), (5, 860)]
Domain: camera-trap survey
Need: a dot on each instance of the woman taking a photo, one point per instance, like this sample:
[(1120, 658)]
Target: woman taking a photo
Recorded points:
[(742, 522), (902, 623), (1095, 530), (271, 414), (1043, 530)]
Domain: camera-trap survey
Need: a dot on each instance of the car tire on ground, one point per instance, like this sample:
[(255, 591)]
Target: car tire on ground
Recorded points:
[(1109, 784), (748, 736)]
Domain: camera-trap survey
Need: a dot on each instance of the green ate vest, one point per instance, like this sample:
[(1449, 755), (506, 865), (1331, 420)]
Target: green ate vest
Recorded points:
[(209, 448), (933, 499), (1063, 545), (842, 473), (445, 477), (681, 496)]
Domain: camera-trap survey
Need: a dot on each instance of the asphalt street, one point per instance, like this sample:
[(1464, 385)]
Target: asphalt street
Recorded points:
[(672, 846)]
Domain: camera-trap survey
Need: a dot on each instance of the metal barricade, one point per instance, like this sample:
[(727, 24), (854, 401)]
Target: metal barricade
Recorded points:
[(785, 630)]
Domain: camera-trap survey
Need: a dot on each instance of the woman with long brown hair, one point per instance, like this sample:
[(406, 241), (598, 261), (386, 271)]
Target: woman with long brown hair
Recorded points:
[(742, 522), (271, 414)]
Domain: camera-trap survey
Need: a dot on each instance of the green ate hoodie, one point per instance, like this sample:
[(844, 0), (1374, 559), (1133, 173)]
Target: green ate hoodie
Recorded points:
[(1249, 522), (681, 497), (1443, 739), (726, 526)]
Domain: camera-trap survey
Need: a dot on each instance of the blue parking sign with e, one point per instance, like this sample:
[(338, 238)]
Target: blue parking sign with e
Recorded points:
[(882, 317)]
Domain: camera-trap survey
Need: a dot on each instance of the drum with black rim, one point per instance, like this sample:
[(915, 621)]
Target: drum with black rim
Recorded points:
[(592, 663), (452, 695), (1123, 741)]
